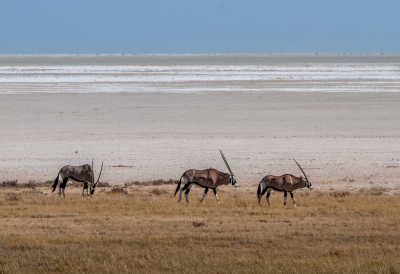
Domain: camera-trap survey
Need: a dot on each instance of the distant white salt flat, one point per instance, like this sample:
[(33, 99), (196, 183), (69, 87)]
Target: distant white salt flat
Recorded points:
[(200, 79), (107, 88), (219, 69)]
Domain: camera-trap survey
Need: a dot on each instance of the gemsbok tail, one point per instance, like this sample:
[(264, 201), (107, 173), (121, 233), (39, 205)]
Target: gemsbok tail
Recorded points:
[(259, 192), (178, 186), (55, 183), (259, 189)]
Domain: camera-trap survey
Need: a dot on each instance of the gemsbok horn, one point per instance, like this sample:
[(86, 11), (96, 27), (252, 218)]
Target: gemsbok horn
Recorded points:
[(286, 183), (208, 178), (82, 174)]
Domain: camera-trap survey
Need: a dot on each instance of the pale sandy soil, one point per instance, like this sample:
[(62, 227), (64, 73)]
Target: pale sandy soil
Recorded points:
[(344, 141)]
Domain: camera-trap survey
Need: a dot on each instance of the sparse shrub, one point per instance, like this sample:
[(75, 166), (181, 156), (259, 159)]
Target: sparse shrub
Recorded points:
[(158, 192), (339, 194), (171, 182), (13, 197), (103, 184), (36, 191), (48, 183), (196, 224), (9, 183), (117, 190), (30, 184), (156, 182), (377, 190), (153, 183)]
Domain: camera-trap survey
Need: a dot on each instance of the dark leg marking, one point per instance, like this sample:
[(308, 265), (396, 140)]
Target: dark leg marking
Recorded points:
[(85, 186), (62, 186), (285, 195), (204, 194), (268, 194), (181, 190), (185, 187), (187, 192), (291, 195), (215, 193), (262, 194)]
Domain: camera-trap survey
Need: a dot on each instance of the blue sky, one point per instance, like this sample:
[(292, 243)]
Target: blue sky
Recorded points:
[(217, 26)]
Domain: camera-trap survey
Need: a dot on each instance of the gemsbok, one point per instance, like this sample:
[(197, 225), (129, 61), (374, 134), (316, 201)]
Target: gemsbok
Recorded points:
[(208, 178), (77, 173), (286, 183)]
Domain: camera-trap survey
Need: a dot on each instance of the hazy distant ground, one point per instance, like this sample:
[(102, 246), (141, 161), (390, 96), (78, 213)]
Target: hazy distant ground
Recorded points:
[(161, 115), (195, 59), (198, 73)]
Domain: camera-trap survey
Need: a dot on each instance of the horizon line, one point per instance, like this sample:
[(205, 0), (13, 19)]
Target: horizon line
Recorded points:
[(261, 53)]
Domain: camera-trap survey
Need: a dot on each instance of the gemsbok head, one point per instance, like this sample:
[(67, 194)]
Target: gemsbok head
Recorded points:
[(208, 178), (82, 174), (286, 183)]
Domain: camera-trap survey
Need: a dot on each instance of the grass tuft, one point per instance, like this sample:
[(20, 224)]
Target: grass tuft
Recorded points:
[(13, 197), (198, 224)]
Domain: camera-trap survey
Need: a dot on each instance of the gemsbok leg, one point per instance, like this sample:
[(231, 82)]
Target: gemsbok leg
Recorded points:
[(262, 188), (215, 193), (268, 193), (291, 195), (62, 187), (204, 194), (181, 190), (87, 191), (85, 187), (285, 194), (187, 192), (262, 194)]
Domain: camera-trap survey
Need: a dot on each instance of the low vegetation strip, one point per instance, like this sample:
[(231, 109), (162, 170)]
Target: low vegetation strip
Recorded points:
[(140, 232), (33, 184), (153, 183)]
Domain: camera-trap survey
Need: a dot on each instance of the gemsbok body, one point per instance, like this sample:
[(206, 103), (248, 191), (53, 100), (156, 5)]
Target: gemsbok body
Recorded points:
[(82, 174), (286, 183), (208, 178)]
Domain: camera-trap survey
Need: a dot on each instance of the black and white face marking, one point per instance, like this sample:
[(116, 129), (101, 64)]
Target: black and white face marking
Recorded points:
[(308, 184), (233, 181), (93, 188)]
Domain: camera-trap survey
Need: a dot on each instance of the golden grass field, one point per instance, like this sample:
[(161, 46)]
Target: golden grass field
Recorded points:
[(147, 231)]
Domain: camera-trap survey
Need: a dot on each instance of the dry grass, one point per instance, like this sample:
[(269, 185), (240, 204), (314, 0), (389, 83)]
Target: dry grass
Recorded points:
[(144, 233)]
